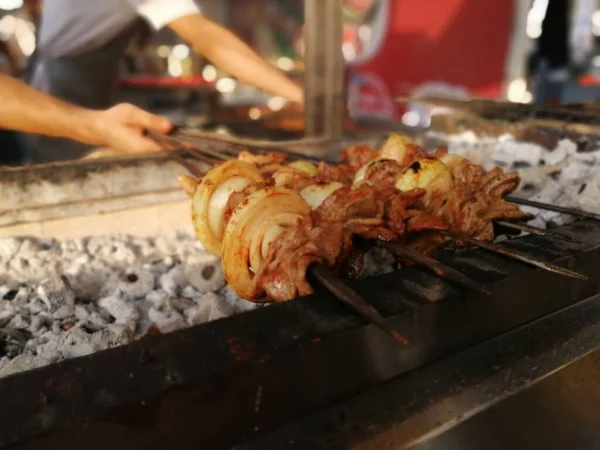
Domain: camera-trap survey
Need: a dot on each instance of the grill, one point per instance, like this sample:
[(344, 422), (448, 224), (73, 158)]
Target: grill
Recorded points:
[(254, 372)]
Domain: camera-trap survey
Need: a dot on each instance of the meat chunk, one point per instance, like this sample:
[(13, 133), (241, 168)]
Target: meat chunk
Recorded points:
[(262, 159), (282, 274), (358, 155)]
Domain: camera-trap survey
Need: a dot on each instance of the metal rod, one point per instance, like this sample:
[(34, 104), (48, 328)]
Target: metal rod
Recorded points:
[(515, 255), (324, 75), (289, 153), (271, 144), (561, 209), (234, 152), (185, 163), (434, 265), (203, 152), (534, 230), (353, 300)]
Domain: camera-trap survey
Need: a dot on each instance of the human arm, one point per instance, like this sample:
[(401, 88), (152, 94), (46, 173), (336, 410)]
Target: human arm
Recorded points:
[(232, 55), (219, 45), (27, 110)]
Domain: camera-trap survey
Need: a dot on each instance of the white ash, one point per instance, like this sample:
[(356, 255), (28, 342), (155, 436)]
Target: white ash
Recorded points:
[(562, 176), (378, 261), (64, 299)]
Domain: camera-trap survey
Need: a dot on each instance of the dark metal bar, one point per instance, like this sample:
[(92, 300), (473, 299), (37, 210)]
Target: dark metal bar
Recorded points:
[(533, 230), (561, 209), (324, 76), (269, 144), (185, 163), (203, 152), (350, 298), (435, 266), (515, 255)]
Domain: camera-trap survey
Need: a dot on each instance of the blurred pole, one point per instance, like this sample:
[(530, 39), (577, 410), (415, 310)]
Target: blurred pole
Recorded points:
[(324, 76)]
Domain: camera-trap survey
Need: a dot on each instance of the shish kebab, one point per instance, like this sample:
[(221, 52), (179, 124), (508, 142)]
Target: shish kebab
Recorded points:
[(295, 229)]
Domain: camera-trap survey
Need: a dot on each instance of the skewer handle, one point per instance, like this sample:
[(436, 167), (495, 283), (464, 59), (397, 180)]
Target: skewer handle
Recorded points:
[(353, 300), (435, 266), (514, 255)]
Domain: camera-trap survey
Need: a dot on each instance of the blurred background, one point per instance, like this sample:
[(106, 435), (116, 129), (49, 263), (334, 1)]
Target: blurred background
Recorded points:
[(542, 51)]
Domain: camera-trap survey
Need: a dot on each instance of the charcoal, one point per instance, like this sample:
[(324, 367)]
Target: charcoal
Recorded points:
[(12, 342), (136, 283), (172, 281), (124, 312), (22, 363), (205, 273), (56, 292)]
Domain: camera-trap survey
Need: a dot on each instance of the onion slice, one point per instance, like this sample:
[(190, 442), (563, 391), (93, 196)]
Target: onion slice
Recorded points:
[(431, 175), (188, 184), (260, 214), (316, 194), (305, 166), (211, 196), (398, 148), (452, 160)]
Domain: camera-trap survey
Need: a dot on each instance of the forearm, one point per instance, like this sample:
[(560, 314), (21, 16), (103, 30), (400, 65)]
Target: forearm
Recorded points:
[(25, 109), (233, 56)]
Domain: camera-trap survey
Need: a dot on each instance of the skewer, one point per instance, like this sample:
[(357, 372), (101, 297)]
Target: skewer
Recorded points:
[(294, 155), (490, 247), (254, 143), (329, 281), (434, 265), (515, 255), (533, 230), (438, 268), (185, 163), (547, 206), (353, 300)]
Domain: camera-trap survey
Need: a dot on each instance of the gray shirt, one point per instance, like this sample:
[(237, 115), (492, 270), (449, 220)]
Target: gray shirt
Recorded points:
[(81, 44)]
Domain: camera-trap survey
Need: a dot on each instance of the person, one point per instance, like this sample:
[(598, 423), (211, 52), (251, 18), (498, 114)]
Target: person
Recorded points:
[(120, 127), (81, 43)]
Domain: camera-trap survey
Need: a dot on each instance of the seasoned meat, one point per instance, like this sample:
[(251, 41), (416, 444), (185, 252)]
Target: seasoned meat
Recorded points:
[(342, 174), (262, 159), (292, 178), (383, 174), (358, 155), (283, 272)]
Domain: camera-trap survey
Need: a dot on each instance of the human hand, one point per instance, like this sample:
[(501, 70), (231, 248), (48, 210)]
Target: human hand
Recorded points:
[(122, 128)]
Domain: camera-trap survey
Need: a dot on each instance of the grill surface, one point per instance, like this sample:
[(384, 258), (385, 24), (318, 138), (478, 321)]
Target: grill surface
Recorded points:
[(221, 383)]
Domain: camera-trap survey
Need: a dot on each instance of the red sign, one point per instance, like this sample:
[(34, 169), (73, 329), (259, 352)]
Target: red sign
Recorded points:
[(459, 43)]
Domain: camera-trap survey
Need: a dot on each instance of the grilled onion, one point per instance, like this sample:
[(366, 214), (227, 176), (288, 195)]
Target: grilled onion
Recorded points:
[(188, 184), (211, 196), (429, 174), (317, 193), (451, 160), (253, 226), (397, 147), (304, 166)]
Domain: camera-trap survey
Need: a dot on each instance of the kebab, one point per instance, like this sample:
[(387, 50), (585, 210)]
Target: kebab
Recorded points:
[(267, 236), (278, 236), (218, 188)]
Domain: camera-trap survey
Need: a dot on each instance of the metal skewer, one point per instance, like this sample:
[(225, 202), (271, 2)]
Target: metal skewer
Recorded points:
[(533, 230), (353, 300), (327, 279), (561, 209), (490, 247), (434, 265), (515, 255)]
